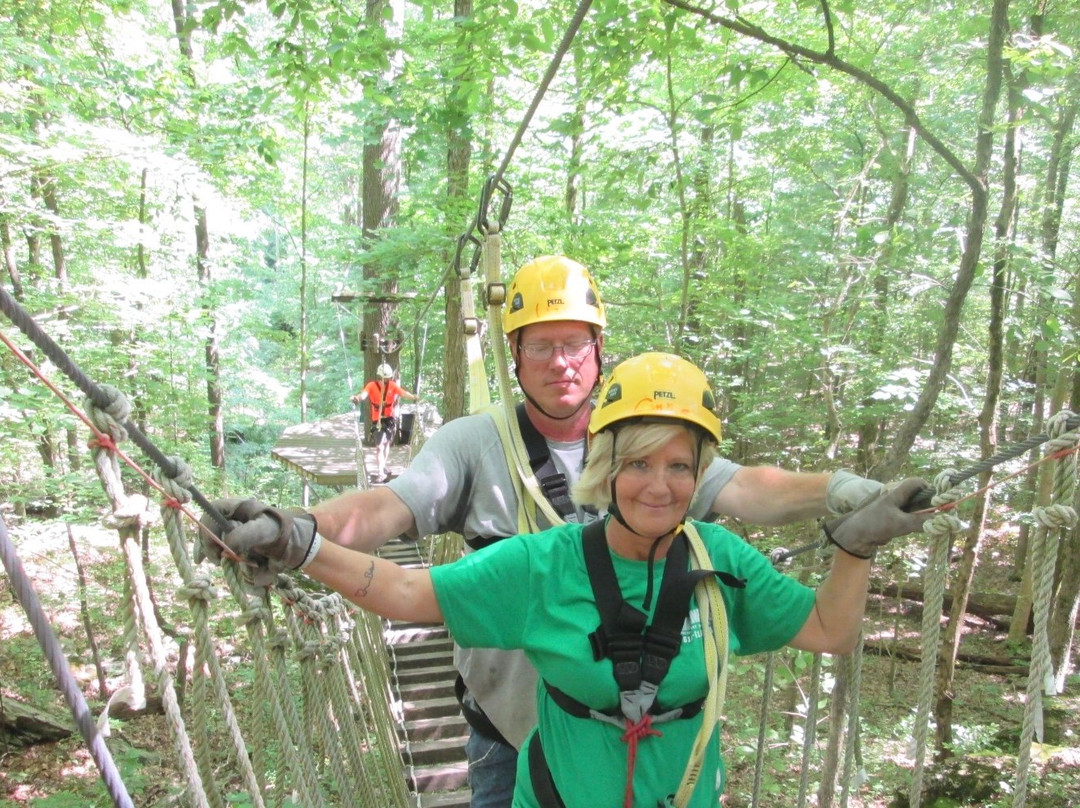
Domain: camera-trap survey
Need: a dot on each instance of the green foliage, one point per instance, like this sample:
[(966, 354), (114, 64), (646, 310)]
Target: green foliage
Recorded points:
[(764, 214)]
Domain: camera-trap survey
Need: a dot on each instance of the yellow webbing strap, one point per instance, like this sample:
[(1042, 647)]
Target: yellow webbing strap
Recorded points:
[(529, 494), (479, 398), (711, 609)]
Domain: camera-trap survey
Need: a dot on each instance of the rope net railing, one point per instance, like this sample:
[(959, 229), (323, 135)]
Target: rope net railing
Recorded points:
[(315, 712)]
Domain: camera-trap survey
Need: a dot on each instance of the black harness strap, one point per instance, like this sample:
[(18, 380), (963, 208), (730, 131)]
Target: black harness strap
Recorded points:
[(480, 542), (619, 636), (553, 483), (640, 652), (579, 710), (474, 716), (543, 786)]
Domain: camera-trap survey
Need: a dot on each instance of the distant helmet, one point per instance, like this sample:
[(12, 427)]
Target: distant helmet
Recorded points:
[(384, 371), (552, 288), (655, 387)]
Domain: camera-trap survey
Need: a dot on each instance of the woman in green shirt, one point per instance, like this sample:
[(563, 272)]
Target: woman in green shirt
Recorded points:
[(629, 622)]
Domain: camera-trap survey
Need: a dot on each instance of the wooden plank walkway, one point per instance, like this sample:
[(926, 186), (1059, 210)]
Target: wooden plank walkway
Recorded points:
[(432, 730), (327, 452)]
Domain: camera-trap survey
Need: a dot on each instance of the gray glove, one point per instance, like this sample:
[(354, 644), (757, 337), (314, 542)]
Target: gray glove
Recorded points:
[(846, 491), (272, 538), (878, 520)]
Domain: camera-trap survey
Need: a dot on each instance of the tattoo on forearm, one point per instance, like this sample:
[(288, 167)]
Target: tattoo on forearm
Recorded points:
[(369, 576)]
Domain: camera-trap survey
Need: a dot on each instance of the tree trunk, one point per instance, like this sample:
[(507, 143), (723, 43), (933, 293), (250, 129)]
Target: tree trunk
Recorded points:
[(44, 186), (211, 355), (869, 426), (458, 156), (969, 261), (11, 263), (974, 178), (1066, 603), (988, 424), (989, 606), (304, 357), (380, 182), (1044, 496), (22, 725)]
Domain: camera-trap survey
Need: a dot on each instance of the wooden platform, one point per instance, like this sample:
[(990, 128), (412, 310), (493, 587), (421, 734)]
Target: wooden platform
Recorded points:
[(329, 452)]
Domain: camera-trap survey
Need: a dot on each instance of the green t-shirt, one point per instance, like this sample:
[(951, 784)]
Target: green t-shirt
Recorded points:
[(533, 593)]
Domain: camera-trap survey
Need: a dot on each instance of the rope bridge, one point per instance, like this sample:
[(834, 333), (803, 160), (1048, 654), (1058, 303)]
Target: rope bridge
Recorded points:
[(333, 707)]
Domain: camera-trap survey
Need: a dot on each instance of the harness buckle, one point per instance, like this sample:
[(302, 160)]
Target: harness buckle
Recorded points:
[(555, 487)]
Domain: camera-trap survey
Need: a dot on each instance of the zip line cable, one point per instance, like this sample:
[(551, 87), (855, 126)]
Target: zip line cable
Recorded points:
[(69, 687), (496, 181), (564, 46)]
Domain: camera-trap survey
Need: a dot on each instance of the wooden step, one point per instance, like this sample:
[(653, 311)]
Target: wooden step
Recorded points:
[(440, 706), (424, 652), (438, 751), (433, 732), (440, 778), (445, 799), (447, 727), (400, 634), (438, 674)]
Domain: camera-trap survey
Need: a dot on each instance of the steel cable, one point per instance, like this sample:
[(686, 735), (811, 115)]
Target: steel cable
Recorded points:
[(80, 711)]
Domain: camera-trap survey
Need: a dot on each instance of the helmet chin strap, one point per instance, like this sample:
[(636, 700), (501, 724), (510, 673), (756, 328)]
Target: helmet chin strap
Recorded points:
[(616, 513)]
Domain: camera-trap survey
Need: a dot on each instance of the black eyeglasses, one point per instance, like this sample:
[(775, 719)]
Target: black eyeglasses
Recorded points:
[(542, 351)]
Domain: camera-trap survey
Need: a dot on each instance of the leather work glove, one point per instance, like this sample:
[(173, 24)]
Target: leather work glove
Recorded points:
[(846, 491), (877, 521), (274, 539)]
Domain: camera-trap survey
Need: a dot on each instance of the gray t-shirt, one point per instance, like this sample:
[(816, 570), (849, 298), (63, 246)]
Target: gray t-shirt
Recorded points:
[(459, 481)]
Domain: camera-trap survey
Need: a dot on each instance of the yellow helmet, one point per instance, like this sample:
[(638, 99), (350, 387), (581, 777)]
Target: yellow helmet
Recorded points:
[(656, 386), (552, 287)]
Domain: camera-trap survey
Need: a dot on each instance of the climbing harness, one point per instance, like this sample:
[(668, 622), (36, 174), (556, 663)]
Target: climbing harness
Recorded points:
[(641, 652)]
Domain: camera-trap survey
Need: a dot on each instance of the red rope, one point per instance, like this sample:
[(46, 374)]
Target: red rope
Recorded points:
[(633, 734), (103, 441), (948, 506)]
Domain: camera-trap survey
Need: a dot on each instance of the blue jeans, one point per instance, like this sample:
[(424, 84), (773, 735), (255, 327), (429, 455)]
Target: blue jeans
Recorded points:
[(492, 770)]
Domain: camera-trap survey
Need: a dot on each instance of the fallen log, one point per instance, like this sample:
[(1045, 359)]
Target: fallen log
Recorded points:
[(22, 725), (981, 662), (989, 606)]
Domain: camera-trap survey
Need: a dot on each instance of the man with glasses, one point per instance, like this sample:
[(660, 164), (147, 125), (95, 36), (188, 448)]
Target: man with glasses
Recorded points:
[(461, 481)]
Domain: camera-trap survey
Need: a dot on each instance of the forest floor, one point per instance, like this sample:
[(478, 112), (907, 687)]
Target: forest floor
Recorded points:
[(988, 706)]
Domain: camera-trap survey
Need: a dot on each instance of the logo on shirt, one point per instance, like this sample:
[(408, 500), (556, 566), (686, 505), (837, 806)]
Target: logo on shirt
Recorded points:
[(691, 629)]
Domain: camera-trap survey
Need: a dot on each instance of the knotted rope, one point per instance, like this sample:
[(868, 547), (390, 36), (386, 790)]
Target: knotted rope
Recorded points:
[(809, 729), (763, 723), (853, 777), (107, 419), (196, 589), (1051, 523), (942, 528)]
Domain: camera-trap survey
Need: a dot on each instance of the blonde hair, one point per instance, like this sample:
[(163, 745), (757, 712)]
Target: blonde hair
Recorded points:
[(635, 441)]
